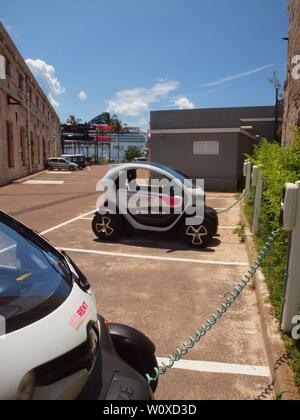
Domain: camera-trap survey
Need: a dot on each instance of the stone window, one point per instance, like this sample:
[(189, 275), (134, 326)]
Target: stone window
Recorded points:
[(10, 144), (23, 146), (8, 68), (20, 81)]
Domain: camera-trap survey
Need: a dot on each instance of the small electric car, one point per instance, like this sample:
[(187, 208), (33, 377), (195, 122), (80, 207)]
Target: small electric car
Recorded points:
[(174, 207), (53, 344)]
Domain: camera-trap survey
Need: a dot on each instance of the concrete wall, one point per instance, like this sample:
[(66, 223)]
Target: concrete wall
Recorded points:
[(33, 116), (221, 172), (261, 118), (292, 101)]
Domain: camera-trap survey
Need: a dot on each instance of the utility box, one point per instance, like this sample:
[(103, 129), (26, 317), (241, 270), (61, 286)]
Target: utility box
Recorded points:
[(291, 222)]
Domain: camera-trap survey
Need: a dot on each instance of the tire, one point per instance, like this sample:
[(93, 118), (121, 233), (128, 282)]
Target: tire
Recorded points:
[(71, 168), (197, 236), (108, 227), (50, 168), (137, 356), (212, 216)]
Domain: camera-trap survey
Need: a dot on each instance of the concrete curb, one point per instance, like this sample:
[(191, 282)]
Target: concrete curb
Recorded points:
[(27, 178), (283, 376)]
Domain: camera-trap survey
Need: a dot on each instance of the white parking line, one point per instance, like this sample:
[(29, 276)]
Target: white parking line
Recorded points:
[(59, 173), (223, 368), (44, 182), (228, 227), (67, 222), (155, 258)]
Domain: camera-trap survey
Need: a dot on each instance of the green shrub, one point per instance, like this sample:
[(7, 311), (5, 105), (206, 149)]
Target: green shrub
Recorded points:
[(280, 166), (132, 152)]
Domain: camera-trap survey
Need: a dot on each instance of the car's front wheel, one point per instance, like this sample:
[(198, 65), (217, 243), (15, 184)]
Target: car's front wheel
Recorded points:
[(136, 350), (108, 227), (198, 236)]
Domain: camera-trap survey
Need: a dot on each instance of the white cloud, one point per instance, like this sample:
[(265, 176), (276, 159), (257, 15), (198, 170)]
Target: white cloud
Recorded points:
[(237, 76), (53, 101), (133, 102), (82, 96), (184, 103), (45, 75)]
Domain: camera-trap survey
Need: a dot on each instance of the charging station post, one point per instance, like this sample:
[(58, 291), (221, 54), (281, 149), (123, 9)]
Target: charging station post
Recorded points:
[(247, 175), (257, 182), (291, 222)]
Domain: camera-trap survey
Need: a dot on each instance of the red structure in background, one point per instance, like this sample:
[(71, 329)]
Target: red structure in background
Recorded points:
[(101, 128), (101, 138)]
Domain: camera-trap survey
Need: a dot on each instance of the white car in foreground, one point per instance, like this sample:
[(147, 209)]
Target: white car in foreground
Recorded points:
[(53, 344)]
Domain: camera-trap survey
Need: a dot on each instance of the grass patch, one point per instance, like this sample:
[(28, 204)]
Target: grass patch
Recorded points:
[(241, 232)]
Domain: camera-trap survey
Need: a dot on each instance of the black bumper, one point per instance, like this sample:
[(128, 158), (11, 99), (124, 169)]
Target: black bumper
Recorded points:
[(111, 378)]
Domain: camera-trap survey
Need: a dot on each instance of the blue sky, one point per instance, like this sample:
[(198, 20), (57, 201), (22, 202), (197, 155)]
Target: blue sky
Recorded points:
[(133, 56)]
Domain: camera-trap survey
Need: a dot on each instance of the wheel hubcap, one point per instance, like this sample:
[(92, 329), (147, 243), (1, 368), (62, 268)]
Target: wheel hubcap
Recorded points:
[(197, 233), (104, 227)]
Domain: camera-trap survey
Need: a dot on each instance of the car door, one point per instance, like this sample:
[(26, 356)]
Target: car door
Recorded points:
[(62, 164), (149, 199)]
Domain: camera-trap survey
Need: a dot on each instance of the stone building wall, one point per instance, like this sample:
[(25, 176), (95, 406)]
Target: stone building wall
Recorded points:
[(292, 102), (29, 125)]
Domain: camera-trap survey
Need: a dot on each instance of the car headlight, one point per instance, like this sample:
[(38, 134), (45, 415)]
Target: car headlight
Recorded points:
[(26, 387)]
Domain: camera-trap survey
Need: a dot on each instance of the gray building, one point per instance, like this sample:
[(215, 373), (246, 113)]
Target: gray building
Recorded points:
[(209, 144)]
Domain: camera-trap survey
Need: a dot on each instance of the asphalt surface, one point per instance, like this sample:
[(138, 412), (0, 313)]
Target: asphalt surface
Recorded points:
[(157, 285)]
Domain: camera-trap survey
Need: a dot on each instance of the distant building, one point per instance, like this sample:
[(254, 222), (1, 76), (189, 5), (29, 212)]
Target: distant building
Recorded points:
[(292, 99), (210, 144), (95, 144), (29, 125)]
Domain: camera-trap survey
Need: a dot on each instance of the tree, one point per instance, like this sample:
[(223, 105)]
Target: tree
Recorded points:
[(72, 120), (280, 94), (113, 121), (132, 152), (279, 102)]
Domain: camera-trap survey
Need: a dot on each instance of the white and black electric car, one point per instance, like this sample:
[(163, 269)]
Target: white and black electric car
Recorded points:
[(53, 344), (109, 225)]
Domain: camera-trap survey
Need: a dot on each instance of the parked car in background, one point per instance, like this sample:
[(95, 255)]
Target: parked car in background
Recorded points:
[(80, 160), (61, 164), (140, 159)]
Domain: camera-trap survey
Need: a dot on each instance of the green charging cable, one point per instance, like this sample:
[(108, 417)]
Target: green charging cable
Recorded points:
[(220, 312)]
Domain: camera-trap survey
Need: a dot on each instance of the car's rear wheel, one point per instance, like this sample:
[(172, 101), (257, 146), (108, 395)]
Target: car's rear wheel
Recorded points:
[(108, 227), (198, 236), (212, 215)]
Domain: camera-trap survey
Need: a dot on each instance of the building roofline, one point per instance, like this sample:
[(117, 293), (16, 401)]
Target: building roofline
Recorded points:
[(204, 130), (253, 107), (21, 62)]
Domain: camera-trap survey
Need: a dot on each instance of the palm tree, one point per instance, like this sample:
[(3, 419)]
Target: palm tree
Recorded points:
[(114, 121), (72, 120)]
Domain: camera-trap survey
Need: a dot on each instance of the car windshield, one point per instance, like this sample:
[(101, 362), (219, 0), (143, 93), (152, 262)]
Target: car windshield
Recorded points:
[(176, 174), (34, 279)]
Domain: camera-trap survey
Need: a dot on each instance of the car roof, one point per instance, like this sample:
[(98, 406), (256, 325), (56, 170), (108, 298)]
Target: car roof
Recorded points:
[(114, 170)]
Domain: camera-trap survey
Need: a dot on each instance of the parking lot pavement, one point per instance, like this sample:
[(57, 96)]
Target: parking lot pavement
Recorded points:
[(157, 285)]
